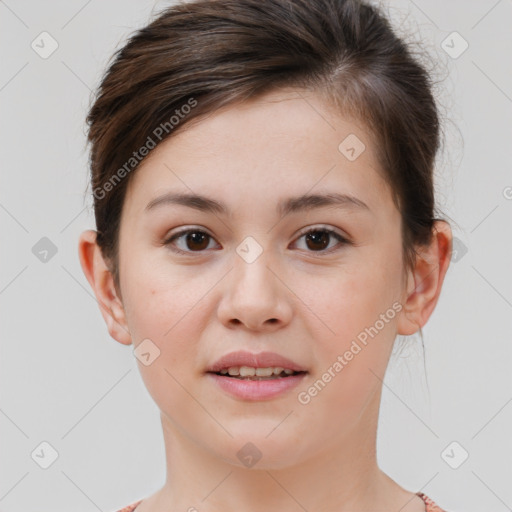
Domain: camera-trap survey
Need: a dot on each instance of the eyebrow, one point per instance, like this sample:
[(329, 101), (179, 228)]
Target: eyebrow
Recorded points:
[(290, 205)]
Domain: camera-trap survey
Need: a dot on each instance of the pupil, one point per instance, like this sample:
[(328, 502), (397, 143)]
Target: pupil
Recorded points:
[(320, 237)]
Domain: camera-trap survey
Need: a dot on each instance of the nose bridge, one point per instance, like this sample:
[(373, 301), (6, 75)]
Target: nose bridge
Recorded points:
[(254, 296), (253, 282)]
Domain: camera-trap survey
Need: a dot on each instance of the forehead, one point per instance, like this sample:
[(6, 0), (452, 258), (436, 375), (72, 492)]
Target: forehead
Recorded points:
[(285, 142)]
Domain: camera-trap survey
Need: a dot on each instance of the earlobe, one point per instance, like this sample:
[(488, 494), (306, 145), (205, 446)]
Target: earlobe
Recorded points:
[(426, 280), (408, 322), (102, 283)]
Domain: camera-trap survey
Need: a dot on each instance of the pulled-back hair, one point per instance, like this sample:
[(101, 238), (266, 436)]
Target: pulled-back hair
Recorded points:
[(199, 55)]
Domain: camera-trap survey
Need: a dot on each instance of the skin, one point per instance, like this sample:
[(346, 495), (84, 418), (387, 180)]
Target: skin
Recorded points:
[(199, 306)]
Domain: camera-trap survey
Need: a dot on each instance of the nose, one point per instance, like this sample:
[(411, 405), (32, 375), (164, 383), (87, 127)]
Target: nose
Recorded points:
[(255, 297)]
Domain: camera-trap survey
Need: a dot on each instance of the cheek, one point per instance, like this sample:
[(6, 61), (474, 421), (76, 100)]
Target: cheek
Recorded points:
[(165, 309), (171, 318), (166, 318), (352, 355), (355, 315), (345, 302), (161, 297)]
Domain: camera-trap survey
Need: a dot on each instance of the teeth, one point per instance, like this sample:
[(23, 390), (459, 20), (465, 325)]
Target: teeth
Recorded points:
[(247, 371), (263, 372)]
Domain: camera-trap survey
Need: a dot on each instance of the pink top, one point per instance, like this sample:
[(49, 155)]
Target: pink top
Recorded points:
[(430, 506)]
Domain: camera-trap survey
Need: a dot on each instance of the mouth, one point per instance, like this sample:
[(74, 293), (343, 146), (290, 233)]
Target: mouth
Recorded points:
[(255, 376)]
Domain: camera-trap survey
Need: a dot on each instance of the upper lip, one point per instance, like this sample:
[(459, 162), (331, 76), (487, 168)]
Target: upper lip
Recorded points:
[(258, 360)]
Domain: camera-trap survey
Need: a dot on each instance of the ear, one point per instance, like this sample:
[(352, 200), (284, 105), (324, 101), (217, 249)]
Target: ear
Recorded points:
[(425, 282), (102, 282)]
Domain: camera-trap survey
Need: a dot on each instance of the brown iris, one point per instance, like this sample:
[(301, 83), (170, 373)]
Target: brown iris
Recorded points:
[(199, 238), (321, 238)]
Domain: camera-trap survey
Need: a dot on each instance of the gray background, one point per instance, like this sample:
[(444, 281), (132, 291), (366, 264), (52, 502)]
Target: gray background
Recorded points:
[(64, 381)]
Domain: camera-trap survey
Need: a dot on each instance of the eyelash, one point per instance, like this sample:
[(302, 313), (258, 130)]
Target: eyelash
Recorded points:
[(341, 239)]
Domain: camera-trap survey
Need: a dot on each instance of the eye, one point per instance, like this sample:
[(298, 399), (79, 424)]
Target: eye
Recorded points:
[(197, 240), (317, 239), (194, 239)]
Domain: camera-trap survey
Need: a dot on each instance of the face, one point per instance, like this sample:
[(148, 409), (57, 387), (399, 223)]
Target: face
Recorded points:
[(317, 282)]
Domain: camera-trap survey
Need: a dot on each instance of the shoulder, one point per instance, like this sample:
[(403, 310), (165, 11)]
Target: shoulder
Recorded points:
[(430, 505), (130, 508)]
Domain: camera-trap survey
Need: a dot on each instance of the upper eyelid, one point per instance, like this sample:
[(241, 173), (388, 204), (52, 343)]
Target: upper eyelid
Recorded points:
[(303, 231), (320, 227)]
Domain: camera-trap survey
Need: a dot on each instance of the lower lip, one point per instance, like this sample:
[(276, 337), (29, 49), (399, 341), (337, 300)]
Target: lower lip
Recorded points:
[(257, 389)]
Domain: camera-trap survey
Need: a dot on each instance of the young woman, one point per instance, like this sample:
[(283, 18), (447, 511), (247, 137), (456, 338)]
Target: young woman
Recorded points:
[(262, 174)]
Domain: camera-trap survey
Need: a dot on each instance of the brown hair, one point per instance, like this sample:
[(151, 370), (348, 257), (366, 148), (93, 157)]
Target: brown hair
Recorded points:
[(199, 55)]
